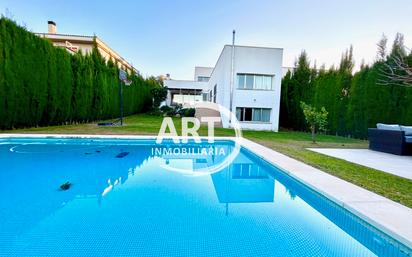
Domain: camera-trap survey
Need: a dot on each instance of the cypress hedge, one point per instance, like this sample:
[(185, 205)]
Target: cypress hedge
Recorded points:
[(355, 101), (43, 85)]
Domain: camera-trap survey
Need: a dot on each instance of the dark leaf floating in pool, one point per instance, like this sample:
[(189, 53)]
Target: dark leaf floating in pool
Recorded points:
[(122, 154), (65, 186), (98, 151)]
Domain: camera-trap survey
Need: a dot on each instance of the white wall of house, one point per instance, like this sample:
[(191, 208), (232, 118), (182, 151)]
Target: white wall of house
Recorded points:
[(260, 61), (249, 60), (220, 78), (256, 63), (202, 72)]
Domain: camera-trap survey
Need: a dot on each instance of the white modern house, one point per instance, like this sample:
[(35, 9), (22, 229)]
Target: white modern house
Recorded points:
[(245, 80)]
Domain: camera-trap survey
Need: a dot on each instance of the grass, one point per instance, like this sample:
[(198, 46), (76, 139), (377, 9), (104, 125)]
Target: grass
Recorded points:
[(293, 144)]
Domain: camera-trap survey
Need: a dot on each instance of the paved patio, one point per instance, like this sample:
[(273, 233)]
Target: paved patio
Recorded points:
[(390, 163)]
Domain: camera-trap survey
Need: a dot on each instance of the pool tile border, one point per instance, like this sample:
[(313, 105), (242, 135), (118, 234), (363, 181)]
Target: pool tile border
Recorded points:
[(388, 216)]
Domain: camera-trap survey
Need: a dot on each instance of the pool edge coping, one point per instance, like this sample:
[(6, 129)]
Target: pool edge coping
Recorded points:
[(386, 225), (389, 224)]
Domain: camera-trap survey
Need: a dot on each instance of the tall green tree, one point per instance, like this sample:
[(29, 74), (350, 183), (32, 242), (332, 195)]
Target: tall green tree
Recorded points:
[(355, 100), (299, 89), (284, 101)]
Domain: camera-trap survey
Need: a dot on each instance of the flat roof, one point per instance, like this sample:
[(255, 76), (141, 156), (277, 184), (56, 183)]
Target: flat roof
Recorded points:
[(264, 47), (185, 84)]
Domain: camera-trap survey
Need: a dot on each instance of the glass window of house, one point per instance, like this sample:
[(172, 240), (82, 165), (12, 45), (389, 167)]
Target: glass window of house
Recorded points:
[(198, 98), (186, 98), (241, 80), (257, 114), (249, 81), (239, 114), (253, 114), (177, 99), (259, 82), (203, 78), (214, 93), (265, 115), (205, 96), (254, 81), (267, 82), (247, 116)]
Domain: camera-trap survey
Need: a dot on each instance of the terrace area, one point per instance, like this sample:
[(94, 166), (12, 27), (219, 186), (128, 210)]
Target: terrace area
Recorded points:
[(394, 164)]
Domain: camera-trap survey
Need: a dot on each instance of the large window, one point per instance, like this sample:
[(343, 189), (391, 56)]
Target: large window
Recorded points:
[(214, 93), (253, 114), (205, 97), (186, 99), (203, 78), (254, 81)]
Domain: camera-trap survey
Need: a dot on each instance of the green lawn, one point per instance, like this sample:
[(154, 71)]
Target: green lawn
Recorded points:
[(293, 144)]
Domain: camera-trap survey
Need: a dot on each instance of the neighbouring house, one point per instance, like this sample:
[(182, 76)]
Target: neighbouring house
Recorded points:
[(75, 43), (246, 80)]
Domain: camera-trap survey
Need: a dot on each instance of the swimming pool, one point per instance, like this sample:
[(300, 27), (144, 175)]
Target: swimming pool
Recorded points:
[(123, 203)]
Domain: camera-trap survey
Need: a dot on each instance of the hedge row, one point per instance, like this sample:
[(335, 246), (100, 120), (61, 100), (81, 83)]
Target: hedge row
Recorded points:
[(355, 101), (43, 85)]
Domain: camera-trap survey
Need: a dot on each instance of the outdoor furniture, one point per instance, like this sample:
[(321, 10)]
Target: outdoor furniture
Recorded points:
[(393, 139)]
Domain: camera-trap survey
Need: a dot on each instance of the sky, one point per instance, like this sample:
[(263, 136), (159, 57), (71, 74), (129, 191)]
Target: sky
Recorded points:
[(174, 36)]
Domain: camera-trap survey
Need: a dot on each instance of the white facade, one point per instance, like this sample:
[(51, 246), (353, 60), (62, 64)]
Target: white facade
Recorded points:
[(203, 73), (184, 92), (256, 78)]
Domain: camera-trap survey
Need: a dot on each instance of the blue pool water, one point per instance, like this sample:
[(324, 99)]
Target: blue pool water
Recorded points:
[(123, 202)]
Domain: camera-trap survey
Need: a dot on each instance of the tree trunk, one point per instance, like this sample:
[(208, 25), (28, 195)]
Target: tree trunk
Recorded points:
[(312, 128)]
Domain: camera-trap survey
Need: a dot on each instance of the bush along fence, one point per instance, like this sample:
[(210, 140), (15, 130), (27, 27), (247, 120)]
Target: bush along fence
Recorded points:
[(354, 101), (43, 85)]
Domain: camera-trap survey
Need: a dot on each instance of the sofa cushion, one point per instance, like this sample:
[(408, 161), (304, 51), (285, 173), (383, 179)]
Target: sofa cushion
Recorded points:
[(408, 139), (395, 127), (407, 129)]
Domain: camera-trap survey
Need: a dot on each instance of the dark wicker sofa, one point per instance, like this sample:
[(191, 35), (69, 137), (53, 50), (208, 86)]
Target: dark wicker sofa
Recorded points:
[(390, 141)]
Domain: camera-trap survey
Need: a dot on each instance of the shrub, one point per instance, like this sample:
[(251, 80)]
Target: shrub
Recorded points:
[(188, 112), (166, 109), (317, 120), (159, 94)]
